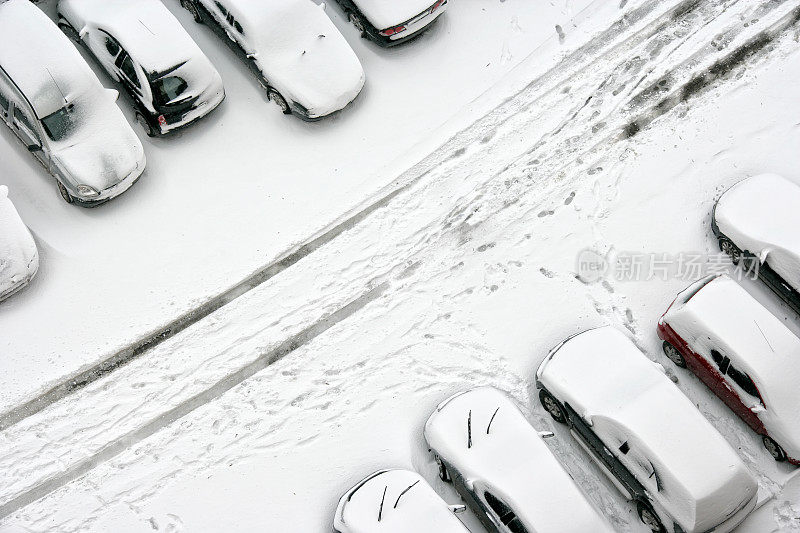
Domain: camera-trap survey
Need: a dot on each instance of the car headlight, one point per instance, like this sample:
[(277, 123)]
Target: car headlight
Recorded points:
[(85, 191)]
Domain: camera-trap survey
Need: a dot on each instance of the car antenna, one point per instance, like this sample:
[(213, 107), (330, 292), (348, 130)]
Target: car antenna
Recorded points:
[(64, 96), (765, 337), (402, 493), (380, 511), (492, 420), (469, 430), (145, 27)]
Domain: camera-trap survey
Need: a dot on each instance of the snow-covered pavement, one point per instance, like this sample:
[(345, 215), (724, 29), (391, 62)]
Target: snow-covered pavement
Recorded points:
[(246, 186), (259, 416)]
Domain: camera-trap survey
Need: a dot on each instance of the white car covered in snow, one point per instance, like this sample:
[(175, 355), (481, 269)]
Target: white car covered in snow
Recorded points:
[(503, 469), (396, 501), (756, 222), (649, 438), (19, 258), (55, 104), (143, 46), (391, 22), (292, 47), (745, 355)]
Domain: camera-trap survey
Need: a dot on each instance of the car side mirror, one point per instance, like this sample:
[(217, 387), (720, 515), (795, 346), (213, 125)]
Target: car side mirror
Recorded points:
[(322, 6), (457, 509), (547, 434), (34, 148), (762, 257), (83, 32), (114, 94)]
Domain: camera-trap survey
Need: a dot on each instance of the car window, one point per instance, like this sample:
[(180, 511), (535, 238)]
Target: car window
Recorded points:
[(221, 9), (238, 27), (504, 513), (112, 47), (744, 381), (129, 70), (3, 102), (23, 119)]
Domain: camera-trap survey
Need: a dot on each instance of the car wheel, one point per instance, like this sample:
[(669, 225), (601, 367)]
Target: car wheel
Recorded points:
[(191, 8), (730, 249), (148, 129), (774, 449), (552, 406), (70, 32), (355, 20), (276, 97), (65, 193), (444, 475), (649, 517), (673, 354)]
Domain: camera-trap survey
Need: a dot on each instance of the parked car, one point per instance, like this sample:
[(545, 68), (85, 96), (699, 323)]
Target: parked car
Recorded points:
[(293, 48), (143, 47), (745, 355), (388, 22), (755, 222), (396, 501), (19, 258), (502, 468), (652, 442), (56, 106)]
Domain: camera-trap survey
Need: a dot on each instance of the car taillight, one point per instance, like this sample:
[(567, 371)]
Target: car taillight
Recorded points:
[(162, 120), (393, 31), (437, 5)]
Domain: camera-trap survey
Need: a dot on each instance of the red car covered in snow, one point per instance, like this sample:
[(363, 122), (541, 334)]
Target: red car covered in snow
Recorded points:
[(743, 353)]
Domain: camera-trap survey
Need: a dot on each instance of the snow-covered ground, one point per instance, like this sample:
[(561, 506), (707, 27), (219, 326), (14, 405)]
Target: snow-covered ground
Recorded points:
[(245, 186), (261, 415)]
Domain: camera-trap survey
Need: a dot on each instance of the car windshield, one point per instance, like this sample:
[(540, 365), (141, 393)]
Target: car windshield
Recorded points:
[(61, 124), (167, 89)]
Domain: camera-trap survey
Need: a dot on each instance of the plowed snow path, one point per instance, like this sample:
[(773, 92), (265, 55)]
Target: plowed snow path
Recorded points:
[(512, 167)]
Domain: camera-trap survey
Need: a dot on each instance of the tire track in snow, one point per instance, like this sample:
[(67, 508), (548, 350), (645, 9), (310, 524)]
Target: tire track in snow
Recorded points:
[(465, 138), (418, 240)]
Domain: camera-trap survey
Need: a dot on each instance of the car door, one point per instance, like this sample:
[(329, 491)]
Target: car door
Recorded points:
[(104, 48), (25, 127), (738, 391)]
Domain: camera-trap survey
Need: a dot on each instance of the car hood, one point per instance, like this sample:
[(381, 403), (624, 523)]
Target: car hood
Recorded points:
[(101, 155)]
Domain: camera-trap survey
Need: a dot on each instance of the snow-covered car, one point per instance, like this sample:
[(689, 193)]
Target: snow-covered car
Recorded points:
[(650, 439), (56, 106), (19, 258), (502, 468), (389, 22), (292, 47), (755, 222), (396, 501), (143, 46), (743, 353)]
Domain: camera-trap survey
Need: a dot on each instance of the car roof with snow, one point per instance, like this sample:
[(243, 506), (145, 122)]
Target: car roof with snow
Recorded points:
[(300, 50), (485, 436), (612, 385), (395, 501), (762, 213), (384, 14), (145, 28), (757, 342), (40, 59)]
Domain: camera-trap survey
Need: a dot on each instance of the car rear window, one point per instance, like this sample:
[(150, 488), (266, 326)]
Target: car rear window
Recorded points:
[(168, 88)]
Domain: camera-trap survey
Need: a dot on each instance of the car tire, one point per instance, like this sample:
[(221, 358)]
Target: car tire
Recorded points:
[(276, 97), (774, 449), (356, 21), (444, 475), (673, 354), (191, 8), (727, 247), (148, 129), (552, 406), (65, 193), (69, 31), (649, 517)]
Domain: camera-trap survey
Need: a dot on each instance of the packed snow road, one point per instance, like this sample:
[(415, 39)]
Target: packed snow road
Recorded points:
[(262, 413)]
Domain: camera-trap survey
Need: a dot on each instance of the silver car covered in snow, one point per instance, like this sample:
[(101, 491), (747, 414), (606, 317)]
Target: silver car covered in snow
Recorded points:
[(55, 104), (19, 258)]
